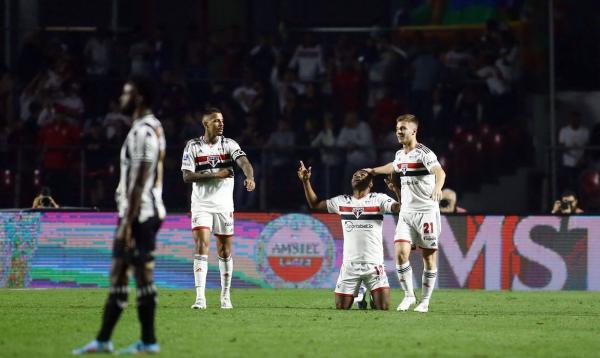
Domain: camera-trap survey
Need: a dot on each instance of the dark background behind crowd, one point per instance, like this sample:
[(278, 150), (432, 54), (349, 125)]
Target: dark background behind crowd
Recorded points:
[(289, 91)]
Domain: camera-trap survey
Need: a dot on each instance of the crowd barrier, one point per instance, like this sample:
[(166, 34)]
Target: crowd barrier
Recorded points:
[(272, 250)]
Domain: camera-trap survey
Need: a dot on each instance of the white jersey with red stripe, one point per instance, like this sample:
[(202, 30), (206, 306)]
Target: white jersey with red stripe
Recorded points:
[(362, 222), (416, 179), (211, 195)]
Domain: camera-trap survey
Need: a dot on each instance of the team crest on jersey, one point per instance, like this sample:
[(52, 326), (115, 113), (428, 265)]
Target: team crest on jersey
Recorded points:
[(358, 211), (213, 160), (404, 168)]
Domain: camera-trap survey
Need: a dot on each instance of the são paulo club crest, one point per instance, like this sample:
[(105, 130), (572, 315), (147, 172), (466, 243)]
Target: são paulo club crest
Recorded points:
[(404, 168), (358, 211), (213, 160), (296, 250)]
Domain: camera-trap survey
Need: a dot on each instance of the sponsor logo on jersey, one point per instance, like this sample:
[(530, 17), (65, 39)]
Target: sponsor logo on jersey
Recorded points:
[(350, 226), (295, 250)]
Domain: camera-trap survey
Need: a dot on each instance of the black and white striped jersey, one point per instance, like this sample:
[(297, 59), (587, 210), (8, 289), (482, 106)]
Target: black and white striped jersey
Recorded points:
[(145, 143)]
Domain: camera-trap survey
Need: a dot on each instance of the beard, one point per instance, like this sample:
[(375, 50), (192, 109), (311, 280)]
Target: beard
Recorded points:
[(361, 185), (128, 108)]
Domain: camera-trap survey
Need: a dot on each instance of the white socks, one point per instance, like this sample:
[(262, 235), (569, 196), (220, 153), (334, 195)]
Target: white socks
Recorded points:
[(200, 271), (429, 278), (405, 277), (226, 269)]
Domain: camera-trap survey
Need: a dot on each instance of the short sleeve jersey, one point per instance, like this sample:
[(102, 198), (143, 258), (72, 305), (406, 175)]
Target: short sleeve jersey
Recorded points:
[(362, 222), (145, 143), (211, 195), (416, 178)]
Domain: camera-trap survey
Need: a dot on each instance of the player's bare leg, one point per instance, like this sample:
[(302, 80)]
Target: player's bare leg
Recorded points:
[(225, 268), (381, 298), (343, 302), (405, 276), (429, 278), (202, 242)]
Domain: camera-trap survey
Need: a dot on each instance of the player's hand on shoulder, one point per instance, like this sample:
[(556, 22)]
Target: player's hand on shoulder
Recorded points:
[(304, 173)]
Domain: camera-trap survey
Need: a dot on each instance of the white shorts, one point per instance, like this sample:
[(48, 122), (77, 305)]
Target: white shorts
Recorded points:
[(218, 223), (353, 273), (420, 229)]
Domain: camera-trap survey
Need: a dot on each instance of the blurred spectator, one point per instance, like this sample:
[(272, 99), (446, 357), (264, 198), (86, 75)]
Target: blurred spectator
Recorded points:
[(426, 72), (96, 163), (251, 140), (285, 85), (308, 59), (383, 117), (141, 55), (70, 102), (245, 93), (115, 123), (356, 140), (567, 204), (234, 50), (263, 57), (572, 137), (280, 163), (348, 88), (97, 52), (58, 139), (44, 200), (448, 204), (330, 161)]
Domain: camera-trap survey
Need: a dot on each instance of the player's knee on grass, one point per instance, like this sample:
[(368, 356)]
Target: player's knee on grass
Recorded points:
[(381, 298), (343, 302)]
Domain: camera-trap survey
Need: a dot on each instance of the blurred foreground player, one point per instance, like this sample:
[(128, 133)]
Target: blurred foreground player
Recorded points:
[(421, 180), (208, 163), (141, 212), (362, 220)]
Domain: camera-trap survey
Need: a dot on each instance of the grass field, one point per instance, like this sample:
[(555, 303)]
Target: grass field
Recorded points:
[(303, 323)]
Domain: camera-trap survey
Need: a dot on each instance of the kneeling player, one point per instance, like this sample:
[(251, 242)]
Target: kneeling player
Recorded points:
[(362, 219)]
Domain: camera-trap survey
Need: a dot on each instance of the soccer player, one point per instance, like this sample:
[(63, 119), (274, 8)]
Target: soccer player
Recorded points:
[(421, 179), (141, 212), (362, 220), (208, 164)]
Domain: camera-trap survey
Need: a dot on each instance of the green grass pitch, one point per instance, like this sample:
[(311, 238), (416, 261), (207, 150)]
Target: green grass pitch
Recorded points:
[(303, 323)]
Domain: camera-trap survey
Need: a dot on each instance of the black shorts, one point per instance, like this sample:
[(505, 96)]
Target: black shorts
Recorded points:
[(144, 237)]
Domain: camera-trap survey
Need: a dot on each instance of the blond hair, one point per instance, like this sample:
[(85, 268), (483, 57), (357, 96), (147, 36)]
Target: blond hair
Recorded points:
[(408, 118)]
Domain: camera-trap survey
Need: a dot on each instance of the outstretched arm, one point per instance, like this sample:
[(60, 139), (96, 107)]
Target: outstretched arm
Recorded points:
[(244, 163), (190, 177), (384, 169), (311, 197)]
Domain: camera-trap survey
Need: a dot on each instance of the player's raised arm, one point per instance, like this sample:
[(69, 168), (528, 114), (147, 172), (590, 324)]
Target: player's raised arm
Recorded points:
[(244, 164), (190, 177), (394, 189), (311, 197), (440, 178), (384, 169)]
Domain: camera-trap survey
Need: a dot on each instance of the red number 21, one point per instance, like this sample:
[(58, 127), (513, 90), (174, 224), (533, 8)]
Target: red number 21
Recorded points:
[(428, 228)]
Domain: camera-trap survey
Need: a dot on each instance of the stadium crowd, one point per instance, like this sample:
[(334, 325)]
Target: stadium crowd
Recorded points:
[(330, 100)]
